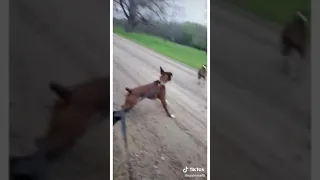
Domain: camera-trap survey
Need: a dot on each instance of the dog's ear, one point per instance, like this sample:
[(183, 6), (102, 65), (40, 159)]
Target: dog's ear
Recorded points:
[(161, 70), (63, 92)]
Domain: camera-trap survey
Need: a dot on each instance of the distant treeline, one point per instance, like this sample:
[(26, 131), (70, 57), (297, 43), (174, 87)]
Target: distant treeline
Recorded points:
[(189, 34)]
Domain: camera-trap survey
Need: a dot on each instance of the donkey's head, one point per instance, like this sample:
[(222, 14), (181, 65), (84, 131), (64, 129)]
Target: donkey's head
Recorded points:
[(165, 76)]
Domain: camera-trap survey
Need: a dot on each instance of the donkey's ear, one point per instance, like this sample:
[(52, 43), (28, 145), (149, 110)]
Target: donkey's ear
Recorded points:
[(161, 70)]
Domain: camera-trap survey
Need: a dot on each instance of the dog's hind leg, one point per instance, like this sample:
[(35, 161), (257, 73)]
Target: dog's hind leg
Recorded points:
[(129, 103), (204, 82), (199, 78), (126, 108)]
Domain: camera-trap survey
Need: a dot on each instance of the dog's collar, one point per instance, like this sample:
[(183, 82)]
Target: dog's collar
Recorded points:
[(161, 83)]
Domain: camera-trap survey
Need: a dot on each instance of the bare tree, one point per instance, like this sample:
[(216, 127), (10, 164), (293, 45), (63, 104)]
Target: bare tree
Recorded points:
[(142, 11)]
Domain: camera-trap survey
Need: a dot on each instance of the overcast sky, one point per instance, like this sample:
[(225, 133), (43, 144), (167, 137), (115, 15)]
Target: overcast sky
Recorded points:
[(191, 10)]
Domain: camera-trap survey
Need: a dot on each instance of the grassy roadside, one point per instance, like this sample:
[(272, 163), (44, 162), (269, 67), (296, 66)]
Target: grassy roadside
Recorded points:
[(278, 11), (184, 54)]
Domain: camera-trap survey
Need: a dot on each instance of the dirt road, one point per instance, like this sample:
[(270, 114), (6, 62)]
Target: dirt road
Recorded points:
[(160, 146)]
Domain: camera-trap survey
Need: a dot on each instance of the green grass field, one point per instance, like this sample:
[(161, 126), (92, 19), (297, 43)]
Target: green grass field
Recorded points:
[(184, 54), (273, 10)]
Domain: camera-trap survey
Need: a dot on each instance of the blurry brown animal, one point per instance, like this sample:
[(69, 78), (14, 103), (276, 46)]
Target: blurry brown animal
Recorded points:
[(154, 90), (69, 121), (71, 113), (294, 36), (202, 73)]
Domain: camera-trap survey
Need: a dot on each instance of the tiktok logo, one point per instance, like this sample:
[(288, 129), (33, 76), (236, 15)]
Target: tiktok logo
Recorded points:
[(185, 170)]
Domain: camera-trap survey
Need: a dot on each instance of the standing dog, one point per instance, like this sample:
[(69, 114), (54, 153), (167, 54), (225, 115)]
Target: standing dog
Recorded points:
[(70, 119), (154, 90), (202, 73), (294, 37)]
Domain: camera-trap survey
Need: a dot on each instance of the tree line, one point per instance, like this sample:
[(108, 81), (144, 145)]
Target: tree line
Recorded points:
[(187, 33)]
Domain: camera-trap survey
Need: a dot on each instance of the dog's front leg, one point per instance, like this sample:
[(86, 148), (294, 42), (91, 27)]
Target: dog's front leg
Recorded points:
[(162, 98), (165, 107)]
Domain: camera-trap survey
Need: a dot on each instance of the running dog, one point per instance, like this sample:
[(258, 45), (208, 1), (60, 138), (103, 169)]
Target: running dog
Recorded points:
[(202, 73), (294, 36), (152, 91)]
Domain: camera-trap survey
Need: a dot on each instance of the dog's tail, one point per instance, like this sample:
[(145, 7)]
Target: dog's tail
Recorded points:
[(60, 90), (129, 90)]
